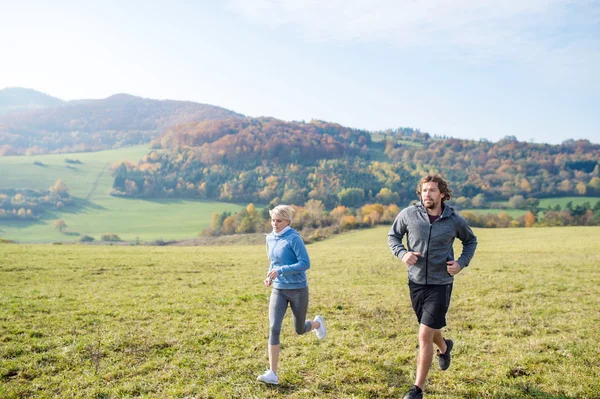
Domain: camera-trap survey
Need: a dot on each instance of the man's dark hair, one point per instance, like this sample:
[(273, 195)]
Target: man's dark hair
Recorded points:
[(442, 185)]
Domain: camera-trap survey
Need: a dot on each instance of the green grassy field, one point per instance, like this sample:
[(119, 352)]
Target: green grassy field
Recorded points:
[(97, 212), (514, 213), (191, 322), (544, 203)]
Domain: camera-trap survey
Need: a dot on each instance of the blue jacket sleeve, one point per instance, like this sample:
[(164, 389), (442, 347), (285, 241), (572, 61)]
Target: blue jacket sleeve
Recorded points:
[(302, 260)]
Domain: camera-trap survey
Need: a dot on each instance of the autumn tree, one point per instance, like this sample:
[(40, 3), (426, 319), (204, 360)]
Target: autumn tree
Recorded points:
[(315, 210), (338, 213), (351, 197), (581, 188), (59, 225), (595, 183), (517, 202), (60, 187)]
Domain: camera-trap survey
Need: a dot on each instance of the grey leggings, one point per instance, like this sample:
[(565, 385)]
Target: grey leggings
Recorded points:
[(298, 300)]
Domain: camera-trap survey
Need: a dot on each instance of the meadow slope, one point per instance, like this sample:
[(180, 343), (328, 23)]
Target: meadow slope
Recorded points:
[(191, 322), (96, 211)]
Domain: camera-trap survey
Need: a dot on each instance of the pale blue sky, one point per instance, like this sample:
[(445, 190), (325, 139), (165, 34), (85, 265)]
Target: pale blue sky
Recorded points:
[(467, 69)]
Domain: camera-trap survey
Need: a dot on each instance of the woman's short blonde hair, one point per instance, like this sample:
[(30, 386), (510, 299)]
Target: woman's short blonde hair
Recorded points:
[(285, 212)]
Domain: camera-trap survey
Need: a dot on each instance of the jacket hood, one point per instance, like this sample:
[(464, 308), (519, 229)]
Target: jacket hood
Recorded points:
[(288, 233), (447, 210)]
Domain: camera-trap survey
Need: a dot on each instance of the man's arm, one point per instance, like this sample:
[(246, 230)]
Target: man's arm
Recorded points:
[(469, 242), (395, 236)]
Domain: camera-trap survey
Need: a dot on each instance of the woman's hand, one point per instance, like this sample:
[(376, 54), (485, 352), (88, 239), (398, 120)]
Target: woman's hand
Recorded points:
[(268, 281), (272, 274)]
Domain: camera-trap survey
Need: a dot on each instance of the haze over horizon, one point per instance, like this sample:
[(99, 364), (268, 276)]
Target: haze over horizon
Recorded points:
[(444, 67)]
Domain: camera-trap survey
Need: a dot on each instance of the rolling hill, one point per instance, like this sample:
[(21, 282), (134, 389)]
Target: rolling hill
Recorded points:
[(92, 125), (95, 212), (16, 99), (201, 158)]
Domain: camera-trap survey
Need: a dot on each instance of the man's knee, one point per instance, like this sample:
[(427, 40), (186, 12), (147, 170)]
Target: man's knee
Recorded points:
[(426, 333)]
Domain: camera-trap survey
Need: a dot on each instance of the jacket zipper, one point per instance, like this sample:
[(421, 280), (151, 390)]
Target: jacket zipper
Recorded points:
[(427, 257), (428, 242)]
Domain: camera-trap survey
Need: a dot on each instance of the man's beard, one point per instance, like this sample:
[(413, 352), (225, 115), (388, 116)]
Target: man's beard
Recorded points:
[(430, 204)]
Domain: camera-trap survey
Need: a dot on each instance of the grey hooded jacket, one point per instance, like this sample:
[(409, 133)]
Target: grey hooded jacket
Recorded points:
[(433, 240)]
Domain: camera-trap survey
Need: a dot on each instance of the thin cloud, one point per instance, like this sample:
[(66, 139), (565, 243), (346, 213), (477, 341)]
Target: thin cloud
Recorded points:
[(525, 31)]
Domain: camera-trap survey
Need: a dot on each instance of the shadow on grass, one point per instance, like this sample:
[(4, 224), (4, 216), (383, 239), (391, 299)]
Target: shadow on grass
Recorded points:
[(174, 201), (282, 388), (533, 392), (395, 376), (20, 223), (79, 204), (71, 233), (521, 391)]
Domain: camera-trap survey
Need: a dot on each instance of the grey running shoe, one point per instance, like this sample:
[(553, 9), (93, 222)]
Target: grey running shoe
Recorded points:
[(444, 360), (414, 393)]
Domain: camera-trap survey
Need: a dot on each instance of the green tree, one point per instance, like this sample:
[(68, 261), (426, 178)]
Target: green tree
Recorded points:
[(120, 177), (351, 197), (479, 201), (387, 196), (517, 202)]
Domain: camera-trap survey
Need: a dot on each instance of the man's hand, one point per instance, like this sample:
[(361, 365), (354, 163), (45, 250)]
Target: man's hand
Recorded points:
[(410, 258), (453, 267)]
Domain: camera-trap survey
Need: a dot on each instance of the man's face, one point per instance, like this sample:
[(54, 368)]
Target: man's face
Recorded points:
[(430, 195)]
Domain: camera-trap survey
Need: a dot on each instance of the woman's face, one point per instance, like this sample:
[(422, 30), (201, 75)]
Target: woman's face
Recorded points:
[(278, 223)]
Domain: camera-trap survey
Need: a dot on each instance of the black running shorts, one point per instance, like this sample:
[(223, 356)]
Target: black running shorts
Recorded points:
[(430, 303)]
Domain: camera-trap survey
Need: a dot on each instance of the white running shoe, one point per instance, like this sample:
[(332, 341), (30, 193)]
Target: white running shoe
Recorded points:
[(321, 331), (268, 377)]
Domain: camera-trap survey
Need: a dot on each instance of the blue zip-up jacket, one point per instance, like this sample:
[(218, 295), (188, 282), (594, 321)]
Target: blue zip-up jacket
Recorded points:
[(289, 257), (434, 242)]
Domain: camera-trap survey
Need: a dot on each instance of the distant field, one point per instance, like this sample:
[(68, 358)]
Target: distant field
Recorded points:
[(514, 213), (544, 203), (381, 137), (98, 212), (131, 219), (191, 322), (21, 172), (562, 201)]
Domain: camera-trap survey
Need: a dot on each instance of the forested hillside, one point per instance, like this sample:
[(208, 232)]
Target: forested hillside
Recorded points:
[(93, 125), (200, 151), (267, 160)]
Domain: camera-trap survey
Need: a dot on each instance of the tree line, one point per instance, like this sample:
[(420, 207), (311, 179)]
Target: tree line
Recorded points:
[(578, 215), (264, 160), (315, 223), (28, 204), (312, 220)]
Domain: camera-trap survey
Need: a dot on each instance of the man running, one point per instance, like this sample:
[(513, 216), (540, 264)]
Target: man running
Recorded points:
[(431, 227)]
